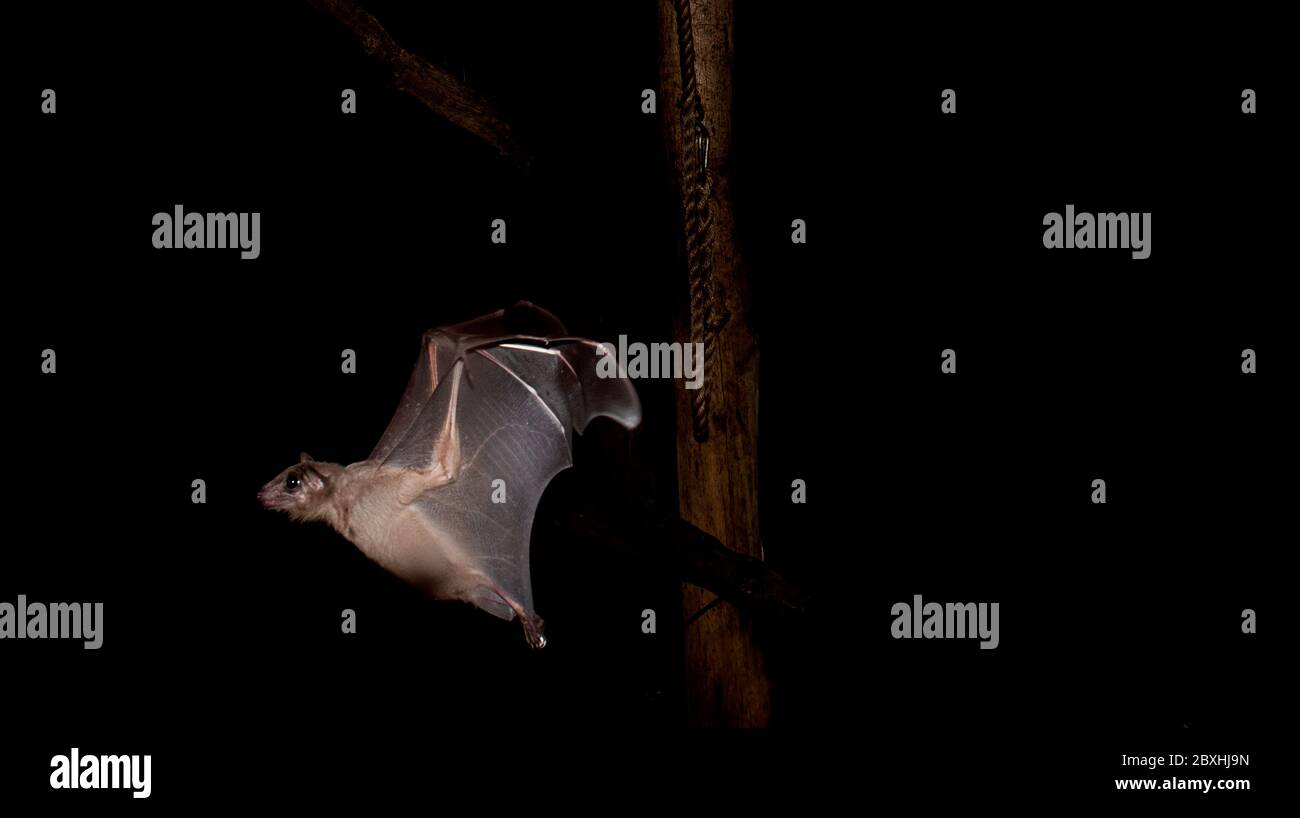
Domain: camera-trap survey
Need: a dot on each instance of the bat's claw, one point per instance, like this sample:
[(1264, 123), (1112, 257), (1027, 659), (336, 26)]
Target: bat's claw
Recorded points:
[(531, 623), (533, 631)]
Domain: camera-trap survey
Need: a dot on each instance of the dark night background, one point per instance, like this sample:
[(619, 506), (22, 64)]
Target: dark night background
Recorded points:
[(1120, 624)]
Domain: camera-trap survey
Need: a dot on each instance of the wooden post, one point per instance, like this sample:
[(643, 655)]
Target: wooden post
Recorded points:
[(726, 683)]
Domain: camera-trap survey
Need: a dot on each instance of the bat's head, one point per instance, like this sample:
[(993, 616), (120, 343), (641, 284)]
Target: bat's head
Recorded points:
[(301, 490)]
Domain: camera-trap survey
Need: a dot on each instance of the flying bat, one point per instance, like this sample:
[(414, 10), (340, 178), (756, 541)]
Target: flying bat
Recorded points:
[(446, 499)]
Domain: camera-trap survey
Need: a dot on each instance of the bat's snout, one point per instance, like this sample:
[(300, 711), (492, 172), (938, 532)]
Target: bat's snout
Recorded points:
[(271, 497)]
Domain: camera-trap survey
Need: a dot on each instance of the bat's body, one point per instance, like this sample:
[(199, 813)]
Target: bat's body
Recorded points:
[(446, 500), (368, 509)]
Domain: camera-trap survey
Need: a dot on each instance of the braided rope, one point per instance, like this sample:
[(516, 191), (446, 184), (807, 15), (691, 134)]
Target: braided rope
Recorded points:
[(704, 312)]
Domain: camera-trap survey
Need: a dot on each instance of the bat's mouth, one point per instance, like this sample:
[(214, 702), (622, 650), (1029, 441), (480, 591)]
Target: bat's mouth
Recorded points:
[(270, 498)]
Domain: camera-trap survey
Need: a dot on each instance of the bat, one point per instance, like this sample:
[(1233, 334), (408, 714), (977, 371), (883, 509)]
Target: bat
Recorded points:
[(446, 499)]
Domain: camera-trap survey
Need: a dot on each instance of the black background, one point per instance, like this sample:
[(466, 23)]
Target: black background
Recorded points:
[(1120, 624)]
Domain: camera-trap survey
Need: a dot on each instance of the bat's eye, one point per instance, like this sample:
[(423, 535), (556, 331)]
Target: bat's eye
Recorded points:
[(291, 483)]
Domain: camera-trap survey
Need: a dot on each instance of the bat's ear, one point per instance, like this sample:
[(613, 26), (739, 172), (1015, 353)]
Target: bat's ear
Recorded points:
[(305, 458), (314, 476)]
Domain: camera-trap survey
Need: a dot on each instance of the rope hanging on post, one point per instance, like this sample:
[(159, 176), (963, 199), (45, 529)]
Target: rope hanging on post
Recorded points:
[(705, 316)]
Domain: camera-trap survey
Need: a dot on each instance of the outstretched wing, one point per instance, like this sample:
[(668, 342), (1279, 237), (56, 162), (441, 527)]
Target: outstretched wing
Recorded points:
[(445, 345), (499, 420)]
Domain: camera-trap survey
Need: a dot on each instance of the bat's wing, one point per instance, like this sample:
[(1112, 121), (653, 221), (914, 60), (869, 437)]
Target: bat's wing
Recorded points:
[(499, 420), (445, 345)]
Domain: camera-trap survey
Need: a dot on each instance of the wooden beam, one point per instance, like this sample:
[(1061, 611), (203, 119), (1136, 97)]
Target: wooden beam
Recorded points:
[(726, 680)]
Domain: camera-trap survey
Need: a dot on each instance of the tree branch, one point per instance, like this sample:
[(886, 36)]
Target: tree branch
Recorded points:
[(438, 90)]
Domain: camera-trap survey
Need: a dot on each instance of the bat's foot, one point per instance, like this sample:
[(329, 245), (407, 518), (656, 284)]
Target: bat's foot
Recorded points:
[(532, 623), (533, 631)]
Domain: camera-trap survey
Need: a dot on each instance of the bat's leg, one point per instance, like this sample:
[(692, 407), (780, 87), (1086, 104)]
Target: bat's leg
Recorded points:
[(532, 624)]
